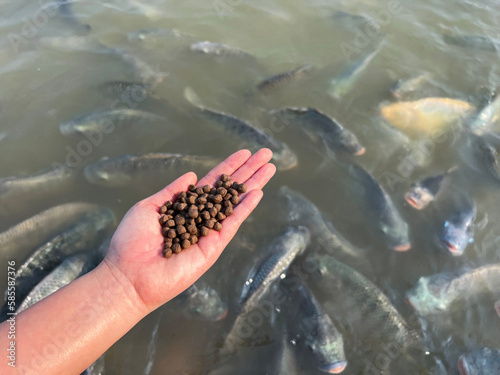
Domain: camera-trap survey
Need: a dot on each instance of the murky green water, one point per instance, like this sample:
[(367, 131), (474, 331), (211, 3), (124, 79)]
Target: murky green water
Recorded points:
[(42, 85)]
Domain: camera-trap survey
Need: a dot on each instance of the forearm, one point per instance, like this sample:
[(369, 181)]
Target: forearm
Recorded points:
[(69, 330)]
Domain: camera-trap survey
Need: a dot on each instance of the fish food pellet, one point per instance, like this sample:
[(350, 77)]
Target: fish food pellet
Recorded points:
[(197, 211)]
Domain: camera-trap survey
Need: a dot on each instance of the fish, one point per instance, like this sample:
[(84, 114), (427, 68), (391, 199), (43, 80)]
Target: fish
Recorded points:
[(120, 171), (318, 332), (105, 121), (127, 92), (322, 129), (17, 191), (380, 209), (65, 9), (457, 231), (497, 308), (219, 49), (31, 232), (201, 301), (485, 43), (267, 271), (375, 308), (286, 364), (254, 138), (435, 294), (482, 157), (423, 192), (281, 80), (62, 275), (427, 116), (142, 70), (343, 83), (301, 210), (406, 88), (82, 235), (483, 122), (96, 368), (480, 362)]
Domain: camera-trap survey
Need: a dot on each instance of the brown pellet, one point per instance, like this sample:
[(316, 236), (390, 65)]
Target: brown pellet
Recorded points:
[(180, 220), (217, 198), (222, 191), (167, 253), (201, 207), (213, 212), (218, 227), (226, 184), (204, 231), (185, 244), (205, 215), (213, 190), (180, 229), (192, 229), (163, 210), (182, 194), (206, 188), (227, 204), (228, 197), (184, 236), (209, 205), (232, 191), (210, 223), (225, 177), (193, 239), (171, 233), (192, 187), (176, 248), (218, 184), (164, 231), (199, 191), (190, 222), (201, 200), (242, 188), (176, 240), (168, 242), (193, 212), (220, 216), (228, 211), (170, 212), (170, 223), (235, 200), (218, 207), (191, 200), (183, 200), (163, 219), (198, 220)]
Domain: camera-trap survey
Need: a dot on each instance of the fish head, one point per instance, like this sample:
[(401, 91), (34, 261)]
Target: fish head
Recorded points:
[(350, 143), (285, 159), (205, 304), (457, 233), (102, 174), (396, 234), (418, 197), (429, 297), (328, 351), (298, 208)]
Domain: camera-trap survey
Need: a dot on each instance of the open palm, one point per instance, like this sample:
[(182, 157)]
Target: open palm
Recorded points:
[(136, 248)]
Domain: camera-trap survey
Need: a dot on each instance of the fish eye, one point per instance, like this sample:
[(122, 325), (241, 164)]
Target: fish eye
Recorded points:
[(446, 224)]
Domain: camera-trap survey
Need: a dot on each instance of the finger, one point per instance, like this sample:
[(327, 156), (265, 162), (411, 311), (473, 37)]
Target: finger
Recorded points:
[(261, 177), (232, 223), (167, 193), (228, 166), (253, 164)]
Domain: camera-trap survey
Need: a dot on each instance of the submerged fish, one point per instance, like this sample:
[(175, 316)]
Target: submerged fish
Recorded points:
[(62, 275), (107, 122), (83, 235), (375, 308), (323, 129), (253, 137), (405, 88), (65, 8), (302, 211), (483, 122), (423, 192), (286, 363), (457, 231), (435, 294), (476, 41), (480, 362), (343, 83), (219, 49), (26, 235), (280, 80), (318, 332), (482, 157), (281, 253), (201, 301), (497, 308), (143, 71), (380, 209), (426, 116), (122, 170), (23, 190)]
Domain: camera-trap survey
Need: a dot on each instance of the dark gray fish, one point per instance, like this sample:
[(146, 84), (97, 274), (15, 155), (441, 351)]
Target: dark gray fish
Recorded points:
[(375, 308), (219, 49), (302, 211), (281, 253), (351, 21), (62, 275), (318, 332), (480, 362), (253, 137), (497, 308), (481, 156), (423, 192), (201, 301), (23, 190), (322, 129), (436, 293), (122, 170), (97, 368), (475, 41), (405, 89), (143, 71), (380, 209), (457, 231), (281, 80), (286, 363), (484, 121), (31, 232), (86, 234), (66, 11), (127, 92)]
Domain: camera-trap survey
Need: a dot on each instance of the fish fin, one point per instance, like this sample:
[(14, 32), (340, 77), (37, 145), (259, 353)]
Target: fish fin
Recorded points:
[(192, 97)]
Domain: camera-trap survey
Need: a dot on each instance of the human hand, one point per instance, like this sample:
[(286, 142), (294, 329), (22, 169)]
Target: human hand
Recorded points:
[(135, 253)]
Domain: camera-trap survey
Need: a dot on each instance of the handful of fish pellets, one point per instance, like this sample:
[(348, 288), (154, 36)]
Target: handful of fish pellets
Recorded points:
[(197, 211)]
